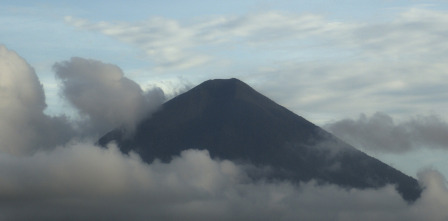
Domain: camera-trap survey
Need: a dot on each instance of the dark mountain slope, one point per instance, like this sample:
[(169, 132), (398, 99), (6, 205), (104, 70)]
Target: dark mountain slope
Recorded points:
[(233, 121)]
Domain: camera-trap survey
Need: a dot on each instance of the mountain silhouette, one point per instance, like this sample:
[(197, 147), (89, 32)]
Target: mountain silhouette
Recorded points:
[(233, 121)]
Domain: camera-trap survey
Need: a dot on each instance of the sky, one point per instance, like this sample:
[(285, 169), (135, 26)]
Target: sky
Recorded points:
[(371, 72)]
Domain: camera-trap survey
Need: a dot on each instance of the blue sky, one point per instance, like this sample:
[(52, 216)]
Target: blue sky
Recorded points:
[(324, 60)]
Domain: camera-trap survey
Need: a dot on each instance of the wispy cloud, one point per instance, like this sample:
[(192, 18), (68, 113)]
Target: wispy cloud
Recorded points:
[(165, 41), (414, 33), (175, 44)]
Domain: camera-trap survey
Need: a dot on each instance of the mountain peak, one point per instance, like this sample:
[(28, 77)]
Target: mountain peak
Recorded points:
[(233, 121), (230, 96), (224, 82), (222, 89)]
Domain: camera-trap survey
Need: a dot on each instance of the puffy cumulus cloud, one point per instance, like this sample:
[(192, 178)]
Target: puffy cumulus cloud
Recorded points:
[(91, 183), (104, 95), (24, 127), (379, 132)]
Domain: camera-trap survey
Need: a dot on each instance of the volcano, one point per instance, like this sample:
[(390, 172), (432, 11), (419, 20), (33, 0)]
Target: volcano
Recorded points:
[(234, 122)]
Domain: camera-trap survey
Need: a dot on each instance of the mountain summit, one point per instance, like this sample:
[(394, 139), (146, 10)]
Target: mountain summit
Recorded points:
[(233, 121)]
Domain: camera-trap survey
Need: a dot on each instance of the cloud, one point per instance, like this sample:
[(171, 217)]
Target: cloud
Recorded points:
[(104, 95), (414, 33), (82, 181), (342, 90), (435, 197), (380, 133), (24, 128), (164, 40), (85, 181), (339, 67), (174, 44)]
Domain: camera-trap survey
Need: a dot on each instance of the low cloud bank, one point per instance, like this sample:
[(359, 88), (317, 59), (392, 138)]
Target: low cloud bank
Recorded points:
[(85, 181)]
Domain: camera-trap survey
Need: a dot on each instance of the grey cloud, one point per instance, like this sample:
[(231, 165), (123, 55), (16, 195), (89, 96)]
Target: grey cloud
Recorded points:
[(104, 95), (380, 133), (85, 181), (24, 127)]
